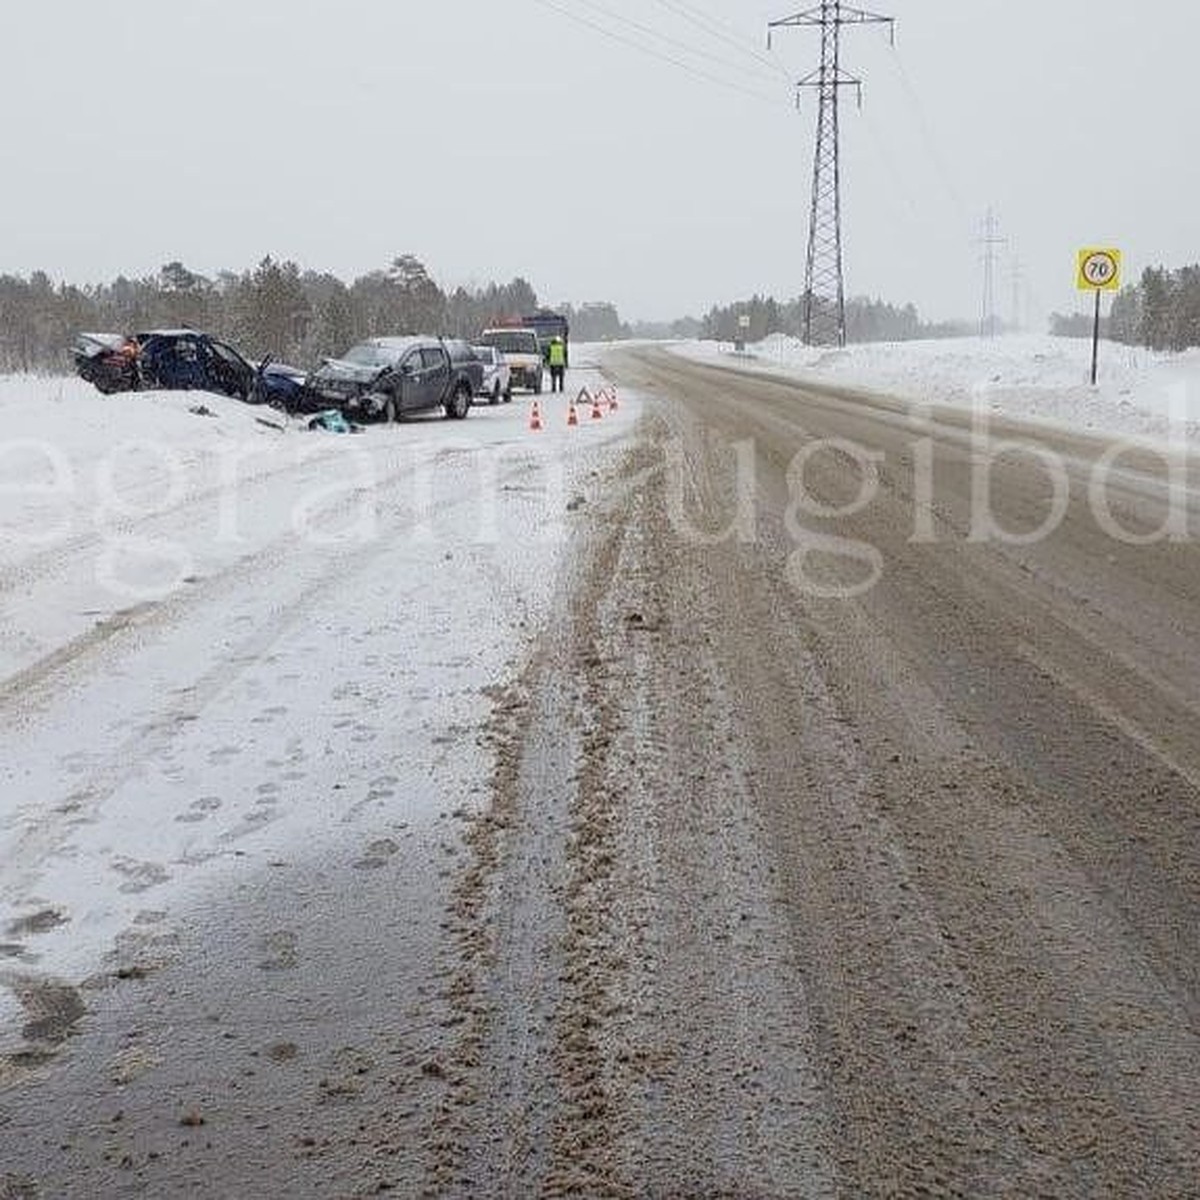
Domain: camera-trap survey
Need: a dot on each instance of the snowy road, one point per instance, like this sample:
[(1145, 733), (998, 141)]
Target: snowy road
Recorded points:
[(857, 852), (830, 827)]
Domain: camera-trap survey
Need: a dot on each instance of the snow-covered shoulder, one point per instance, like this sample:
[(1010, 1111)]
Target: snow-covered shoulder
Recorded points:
[(228, 641), (1030, 377)]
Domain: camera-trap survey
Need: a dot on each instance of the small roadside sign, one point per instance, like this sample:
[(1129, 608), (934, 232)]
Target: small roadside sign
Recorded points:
[(1099, 270)]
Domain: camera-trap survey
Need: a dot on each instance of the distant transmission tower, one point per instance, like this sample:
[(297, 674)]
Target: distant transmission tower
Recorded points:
[(991, 241), (1017, 275), (824, 282)]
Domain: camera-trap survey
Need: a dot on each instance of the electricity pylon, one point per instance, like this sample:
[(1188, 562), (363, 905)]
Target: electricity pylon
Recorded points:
[(824, 282), (991, 241), (1017, 277)]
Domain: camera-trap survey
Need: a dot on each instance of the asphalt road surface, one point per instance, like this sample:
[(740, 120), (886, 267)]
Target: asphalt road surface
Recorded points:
[(843, 840)]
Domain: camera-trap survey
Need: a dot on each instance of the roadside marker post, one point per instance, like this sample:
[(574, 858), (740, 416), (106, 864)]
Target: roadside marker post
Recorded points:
[(1098, 271)]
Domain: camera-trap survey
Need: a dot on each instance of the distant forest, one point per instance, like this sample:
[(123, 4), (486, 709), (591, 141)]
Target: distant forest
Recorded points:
[(276, 309), (867, 320), (1160, 312), (303, 316)]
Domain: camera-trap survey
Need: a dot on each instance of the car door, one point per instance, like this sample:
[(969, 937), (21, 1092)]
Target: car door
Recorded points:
[(181, 364), (411, 376), (232, 374), (437, 375)]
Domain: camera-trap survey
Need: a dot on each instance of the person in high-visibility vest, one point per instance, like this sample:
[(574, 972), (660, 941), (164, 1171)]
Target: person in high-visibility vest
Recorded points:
[(558, 365)]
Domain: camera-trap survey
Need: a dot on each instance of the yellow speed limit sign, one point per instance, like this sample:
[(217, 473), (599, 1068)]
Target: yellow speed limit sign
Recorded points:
[(1099, 270)]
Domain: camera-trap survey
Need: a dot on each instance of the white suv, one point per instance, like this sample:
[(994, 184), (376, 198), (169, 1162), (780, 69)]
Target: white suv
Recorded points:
[(497, 374)]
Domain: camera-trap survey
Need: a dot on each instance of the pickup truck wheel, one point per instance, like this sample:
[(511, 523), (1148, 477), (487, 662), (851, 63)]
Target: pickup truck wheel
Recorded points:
[(495, 396), (508, 394), (459, 404)]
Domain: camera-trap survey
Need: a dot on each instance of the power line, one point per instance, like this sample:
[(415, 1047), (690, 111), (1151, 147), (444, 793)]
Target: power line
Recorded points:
[(931, 146), (673, 42), (902, 188), (650, 51), (717, 30)]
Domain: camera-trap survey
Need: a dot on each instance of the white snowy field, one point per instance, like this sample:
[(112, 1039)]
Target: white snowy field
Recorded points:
[(226, 644), (1140, 394)]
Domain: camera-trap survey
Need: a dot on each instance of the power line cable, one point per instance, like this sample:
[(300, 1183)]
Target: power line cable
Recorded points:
[(689, 68), (930, 141), (912, 217), (715, 29), (674, 42)]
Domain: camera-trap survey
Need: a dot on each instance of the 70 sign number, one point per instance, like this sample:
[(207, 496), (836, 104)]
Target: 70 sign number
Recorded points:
[(1099, 270)]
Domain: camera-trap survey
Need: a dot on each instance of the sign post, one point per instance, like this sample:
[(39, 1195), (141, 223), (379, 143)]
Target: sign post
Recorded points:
[(1099, 271), (743, 325)]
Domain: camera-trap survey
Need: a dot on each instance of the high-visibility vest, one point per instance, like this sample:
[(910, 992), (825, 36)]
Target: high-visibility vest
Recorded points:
[(558, 354)]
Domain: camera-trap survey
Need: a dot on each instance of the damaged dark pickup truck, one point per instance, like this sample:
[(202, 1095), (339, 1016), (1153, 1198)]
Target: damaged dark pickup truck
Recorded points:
[(387, 378)]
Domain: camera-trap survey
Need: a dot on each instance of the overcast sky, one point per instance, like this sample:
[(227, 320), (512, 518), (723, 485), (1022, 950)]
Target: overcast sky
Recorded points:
[(655, 164)]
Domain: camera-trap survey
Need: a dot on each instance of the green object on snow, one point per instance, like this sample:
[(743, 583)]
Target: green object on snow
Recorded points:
[(332, 421)]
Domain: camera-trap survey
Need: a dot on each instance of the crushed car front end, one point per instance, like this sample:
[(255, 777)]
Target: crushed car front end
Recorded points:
[(108, 361), (349, 387)]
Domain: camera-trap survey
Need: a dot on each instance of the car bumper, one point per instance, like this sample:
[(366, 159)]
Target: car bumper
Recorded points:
[(318, 397)]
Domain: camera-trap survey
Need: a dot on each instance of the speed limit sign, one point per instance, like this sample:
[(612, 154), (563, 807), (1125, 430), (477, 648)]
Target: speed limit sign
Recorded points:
[(1099, 270)]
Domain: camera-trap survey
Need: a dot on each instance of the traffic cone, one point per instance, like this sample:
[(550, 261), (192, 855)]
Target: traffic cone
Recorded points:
[(597, 414), (572, 415), (535, 418), (612, 399)]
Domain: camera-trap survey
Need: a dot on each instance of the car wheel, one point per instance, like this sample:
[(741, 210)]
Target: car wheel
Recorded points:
[(508, 394), (391, 414), (537, 385), (460, 403), (495, 397)]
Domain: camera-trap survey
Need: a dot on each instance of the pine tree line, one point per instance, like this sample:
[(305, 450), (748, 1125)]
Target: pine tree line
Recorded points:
[(1161, 312), (867, 320), (276, 309)]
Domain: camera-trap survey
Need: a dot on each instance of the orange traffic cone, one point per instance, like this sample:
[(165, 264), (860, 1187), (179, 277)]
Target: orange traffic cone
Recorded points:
[(535, 418), (572, 415), (612, 399), (597, 414)]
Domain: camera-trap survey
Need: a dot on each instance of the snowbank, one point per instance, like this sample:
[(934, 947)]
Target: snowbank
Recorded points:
[(228, 642), (1141, 394)]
